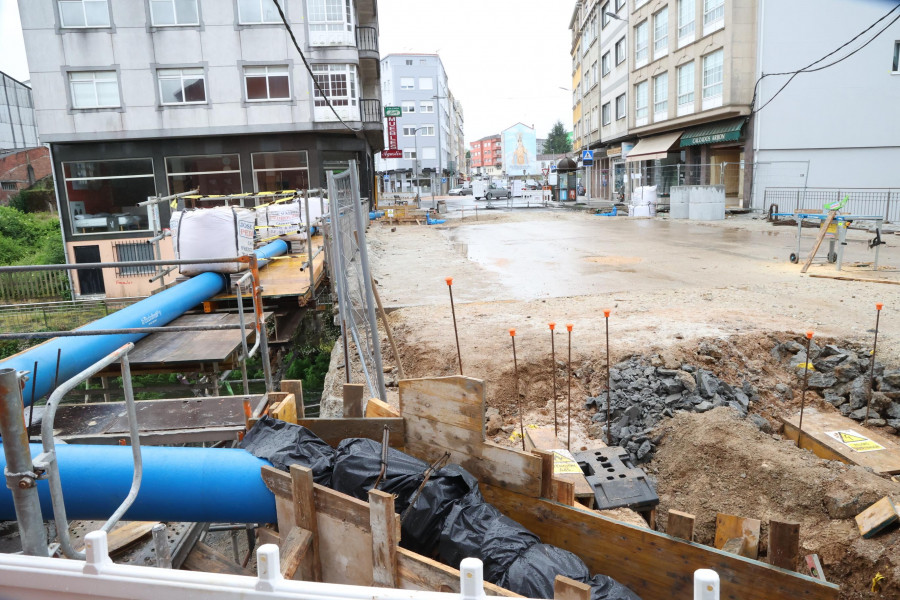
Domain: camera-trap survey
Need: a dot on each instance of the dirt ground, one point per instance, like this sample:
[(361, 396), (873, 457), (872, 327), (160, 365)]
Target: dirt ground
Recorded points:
[(670, 285)]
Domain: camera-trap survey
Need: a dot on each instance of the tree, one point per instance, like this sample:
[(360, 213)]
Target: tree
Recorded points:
[(558, 140)]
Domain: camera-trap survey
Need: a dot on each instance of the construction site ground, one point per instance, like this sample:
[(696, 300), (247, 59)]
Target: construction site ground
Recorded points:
[(672, 286)]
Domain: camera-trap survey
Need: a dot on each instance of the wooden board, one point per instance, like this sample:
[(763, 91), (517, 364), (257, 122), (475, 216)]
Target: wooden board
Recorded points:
[(126, 534), (815, 439), (731, 527), (859, 279), (295, 552), (680, 525), (784, 545), (377, 408), (543, 438), (446, 415), (206, 560), (287, 276), (286, 410), (876, 517), (654, 565), (332, 431), (823, 230), (416, 572)]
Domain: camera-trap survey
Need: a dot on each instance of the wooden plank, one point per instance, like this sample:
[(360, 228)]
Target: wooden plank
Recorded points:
[(295, 387), (294, 551), (382, 519), (565, 588), (546, 472), (452, 400), (304, 498), (417, 572), (345, 550), (266, 535), (729, 527), (327, 501), (654, 565), (680, 525), (823, 230), (859, 279), (126, 534), (207, 560), (564, 491), (376, 408), (353, 400), (543, 438), (333, 431), (784, 545), (876, 517), (284, 512), (816, 426), (286, 410)]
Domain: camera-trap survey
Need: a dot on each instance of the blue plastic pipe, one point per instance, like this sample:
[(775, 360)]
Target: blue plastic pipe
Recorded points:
[(219, 485), (79, 353)]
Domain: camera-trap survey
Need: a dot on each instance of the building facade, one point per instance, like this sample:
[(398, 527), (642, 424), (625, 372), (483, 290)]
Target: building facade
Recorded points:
[(139, 99), (487, 156), (418, 84)]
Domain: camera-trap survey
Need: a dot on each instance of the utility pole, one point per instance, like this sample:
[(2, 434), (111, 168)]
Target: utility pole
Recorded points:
[(440, 119)]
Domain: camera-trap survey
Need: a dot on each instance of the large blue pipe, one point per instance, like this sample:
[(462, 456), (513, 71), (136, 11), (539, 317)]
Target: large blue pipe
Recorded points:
[(79, 353), (219, 485)]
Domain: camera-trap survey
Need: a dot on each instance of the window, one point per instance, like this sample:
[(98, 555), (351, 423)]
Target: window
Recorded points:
[(620, 51), (639, 3), (409, 63), (215, 174), (712, 74), (83, 13), (896, 57), (640, 103), (605, 113), (102, 195), (619, 4), (409, 130), (595, 122), (713, 11), (604, 18), (330, 22), (277, 171), (604, 64), (426, 83), (426, 106), (339, 84), (685, 20), (409, 154), (686, 88), (429, 153), (256, 12), (133, 252), (427, 130), (594, 77), (267, 83), (660, 96), (407, 83), (408, 106), (173, 12), (640, 44), (661, 32), (94, 89), (8, 186), (182, 86), (620, 107)]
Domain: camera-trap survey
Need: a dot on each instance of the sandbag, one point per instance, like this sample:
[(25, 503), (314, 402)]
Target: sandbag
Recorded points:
[(212, 233), (285, 444), (278, 219)]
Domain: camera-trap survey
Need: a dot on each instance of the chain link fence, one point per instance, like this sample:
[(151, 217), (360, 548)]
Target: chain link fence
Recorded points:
[(352, 278)]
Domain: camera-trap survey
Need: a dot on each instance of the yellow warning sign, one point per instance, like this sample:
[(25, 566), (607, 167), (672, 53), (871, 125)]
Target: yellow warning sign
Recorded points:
[(855, 441), (564, 462)]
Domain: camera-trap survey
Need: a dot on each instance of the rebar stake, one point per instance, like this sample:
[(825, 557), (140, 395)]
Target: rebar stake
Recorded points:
[(449, 281), (553, 376), (809, 337), (878, 307), (608, 381), (569, 327), (512, 334)]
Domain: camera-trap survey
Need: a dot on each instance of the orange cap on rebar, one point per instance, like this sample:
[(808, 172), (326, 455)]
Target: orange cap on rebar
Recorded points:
[(879, 306), (569, 326), (809, 335), (449, 280), (552, 326), (606, 312), (512, 333)]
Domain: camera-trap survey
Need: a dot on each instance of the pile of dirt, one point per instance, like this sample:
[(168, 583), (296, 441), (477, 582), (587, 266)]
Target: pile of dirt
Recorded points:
[(718, 462)]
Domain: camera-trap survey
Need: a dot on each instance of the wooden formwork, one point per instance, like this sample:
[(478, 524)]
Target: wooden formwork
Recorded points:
[(357, 542)]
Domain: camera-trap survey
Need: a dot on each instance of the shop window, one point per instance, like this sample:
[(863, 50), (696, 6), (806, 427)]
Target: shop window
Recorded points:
[(102, 196), (211, 175), (277, 171)]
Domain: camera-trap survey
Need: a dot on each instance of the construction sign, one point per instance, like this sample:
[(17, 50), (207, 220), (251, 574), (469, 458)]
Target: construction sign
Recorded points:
[(855, 441), (564, 462)]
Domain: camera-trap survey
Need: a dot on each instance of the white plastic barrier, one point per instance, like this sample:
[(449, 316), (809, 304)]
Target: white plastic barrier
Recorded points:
[(643, 202), (706, 585), (213, 233), (31, 577)]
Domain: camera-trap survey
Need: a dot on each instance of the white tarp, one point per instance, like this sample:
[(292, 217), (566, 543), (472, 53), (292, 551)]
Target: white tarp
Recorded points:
[(211, 233)]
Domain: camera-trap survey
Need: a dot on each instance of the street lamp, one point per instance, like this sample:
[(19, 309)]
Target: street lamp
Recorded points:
[(440, 152), (616, 17), (416, 165)]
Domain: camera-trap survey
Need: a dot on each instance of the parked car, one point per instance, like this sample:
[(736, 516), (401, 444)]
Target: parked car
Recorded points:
[(460, 191), (492, 192)]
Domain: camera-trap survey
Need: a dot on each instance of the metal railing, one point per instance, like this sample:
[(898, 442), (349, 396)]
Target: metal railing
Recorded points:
[(353, 280), (882, 202), (67, 314), (367, 38), (371, 110)]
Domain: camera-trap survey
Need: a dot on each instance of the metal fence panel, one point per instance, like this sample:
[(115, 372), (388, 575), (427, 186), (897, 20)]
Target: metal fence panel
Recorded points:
[(860, 201), (352, 277)]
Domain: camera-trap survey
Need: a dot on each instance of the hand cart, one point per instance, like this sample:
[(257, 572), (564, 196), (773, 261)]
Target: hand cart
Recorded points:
[(837, 233)]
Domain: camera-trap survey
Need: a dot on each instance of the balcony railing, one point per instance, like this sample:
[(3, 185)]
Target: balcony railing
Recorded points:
[(367, 38), (371, 110)]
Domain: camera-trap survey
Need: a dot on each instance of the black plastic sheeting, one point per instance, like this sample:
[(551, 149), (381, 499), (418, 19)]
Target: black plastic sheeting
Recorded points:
[(449, 520)]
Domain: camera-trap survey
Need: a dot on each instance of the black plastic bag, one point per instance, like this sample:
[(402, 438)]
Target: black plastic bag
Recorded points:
[(285, 444), (505, 542), (604, 587), (532, 575), (464, 531)]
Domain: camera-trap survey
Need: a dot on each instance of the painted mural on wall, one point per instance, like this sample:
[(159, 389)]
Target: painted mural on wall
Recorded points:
[(520, 151)]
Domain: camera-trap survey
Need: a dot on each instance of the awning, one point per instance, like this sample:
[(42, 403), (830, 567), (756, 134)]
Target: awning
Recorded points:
[(713, 133), (653, 148)]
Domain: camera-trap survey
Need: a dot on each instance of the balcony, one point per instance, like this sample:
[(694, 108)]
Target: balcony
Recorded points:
[(367, 42), (373, 125), (371, 110)]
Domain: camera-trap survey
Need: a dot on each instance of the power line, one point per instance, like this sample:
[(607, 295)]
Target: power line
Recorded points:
[(310, 71), (809, 69)]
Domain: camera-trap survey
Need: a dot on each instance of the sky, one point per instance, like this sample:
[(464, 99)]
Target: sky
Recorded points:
[(506, 60)]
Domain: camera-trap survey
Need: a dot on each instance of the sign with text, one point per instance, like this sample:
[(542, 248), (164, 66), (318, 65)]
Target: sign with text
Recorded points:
[(392, 133), (393, 111), (388, 153)]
